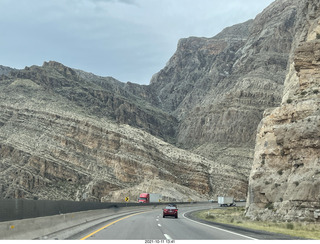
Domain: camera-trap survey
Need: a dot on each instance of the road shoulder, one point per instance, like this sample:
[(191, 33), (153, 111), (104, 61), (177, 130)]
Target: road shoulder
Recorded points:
[(257, 234)]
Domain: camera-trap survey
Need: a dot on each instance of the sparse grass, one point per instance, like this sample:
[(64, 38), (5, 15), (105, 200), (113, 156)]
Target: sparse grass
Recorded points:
[(235, 216)]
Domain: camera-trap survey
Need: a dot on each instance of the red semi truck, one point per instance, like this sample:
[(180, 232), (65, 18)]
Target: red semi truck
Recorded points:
[(149, 197)]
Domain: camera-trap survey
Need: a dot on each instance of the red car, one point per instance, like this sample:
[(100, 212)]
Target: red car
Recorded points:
[(170, 211)]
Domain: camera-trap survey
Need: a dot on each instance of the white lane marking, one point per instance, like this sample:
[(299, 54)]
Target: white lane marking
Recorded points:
[(159, 225), (218, 228), (157, 219), (167, 237)]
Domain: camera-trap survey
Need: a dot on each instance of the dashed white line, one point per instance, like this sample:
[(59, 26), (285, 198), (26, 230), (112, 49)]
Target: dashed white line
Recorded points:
[(167, 237), (159, 225)]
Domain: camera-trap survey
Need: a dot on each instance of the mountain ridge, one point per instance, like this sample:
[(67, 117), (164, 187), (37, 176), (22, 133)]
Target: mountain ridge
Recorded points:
[(194, 126)]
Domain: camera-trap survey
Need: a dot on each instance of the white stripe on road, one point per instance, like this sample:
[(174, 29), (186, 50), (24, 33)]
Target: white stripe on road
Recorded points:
[(218, 228), (167, 237), (159, 225)]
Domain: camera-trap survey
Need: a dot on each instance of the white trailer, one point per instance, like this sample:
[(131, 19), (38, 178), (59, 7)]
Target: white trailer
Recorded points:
[(154, 197), (226, 201)]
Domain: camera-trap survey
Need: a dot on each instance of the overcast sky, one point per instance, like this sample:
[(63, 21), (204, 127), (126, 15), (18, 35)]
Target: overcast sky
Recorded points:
[(129, 40)]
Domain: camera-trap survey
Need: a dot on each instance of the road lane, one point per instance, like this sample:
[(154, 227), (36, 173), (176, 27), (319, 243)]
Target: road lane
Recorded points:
[(152, 226), (138, 227)]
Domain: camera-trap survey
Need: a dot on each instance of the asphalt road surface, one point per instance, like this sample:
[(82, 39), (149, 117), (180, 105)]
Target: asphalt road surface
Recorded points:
[(152, 226)]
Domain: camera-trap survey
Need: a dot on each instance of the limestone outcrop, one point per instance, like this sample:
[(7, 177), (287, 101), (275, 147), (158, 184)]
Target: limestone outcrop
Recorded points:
[(284, 182)]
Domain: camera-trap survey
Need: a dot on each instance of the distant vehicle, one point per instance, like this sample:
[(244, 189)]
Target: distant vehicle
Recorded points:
[(226, 201), (154, 197), (172, 205), (144, 198), (170, 211), (149, 198)]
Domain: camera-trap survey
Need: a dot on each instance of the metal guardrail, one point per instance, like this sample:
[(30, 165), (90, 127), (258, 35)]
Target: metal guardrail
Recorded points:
[(14, 209)]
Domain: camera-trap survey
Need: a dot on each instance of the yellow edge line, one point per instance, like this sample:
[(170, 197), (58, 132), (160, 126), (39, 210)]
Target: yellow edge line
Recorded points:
[(87, 236)]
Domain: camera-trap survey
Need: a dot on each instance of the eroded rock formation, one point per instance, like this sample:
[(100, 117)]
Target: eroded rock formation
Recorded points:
[(189, 135), (285, 178)]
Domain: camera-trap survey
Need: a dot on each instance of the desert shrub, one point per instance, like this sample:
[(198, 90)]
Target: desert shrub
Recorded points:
[(210, 216), (269, 205), (290, 226)]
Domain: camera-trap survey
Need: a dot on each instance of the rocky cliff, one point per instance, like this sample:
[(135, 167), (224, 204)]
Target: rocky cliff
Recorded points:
[(285, 178), (219, 87)]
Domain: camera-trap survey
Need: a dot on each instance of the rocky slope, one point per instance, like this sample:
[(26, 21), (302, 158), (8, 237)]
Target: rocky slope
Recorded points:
[(5, 70), (219, 87), (60, 138), (94, 95), (285, 179)]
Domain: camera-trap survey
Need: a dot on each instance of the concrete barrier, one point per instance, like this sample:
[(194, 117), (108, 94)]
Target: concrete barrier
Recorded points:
[(63, 226), (12, 209)]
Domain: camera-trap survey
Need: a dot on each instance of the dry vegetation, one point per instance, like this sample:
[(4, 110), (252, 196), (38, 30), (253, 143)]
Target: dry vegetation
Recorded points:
[(235, 216)]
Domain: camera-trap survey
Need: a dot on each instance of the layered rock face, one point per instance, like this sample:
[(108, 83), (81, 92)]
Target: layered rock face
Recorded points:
[(93, 95), (285, 179), (219, 87), (46, 155), (189, 135), (59, 140)]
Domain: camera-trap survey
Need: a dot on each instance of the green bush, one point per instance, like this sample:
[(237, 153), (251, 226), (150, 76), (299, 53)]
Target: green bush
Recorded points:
[(290, 226), (269, 205), (210, 216)]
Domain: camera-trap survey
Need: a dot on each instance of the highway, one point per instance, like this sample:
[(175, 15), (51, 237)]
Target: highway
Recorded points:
[(150, 225)]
